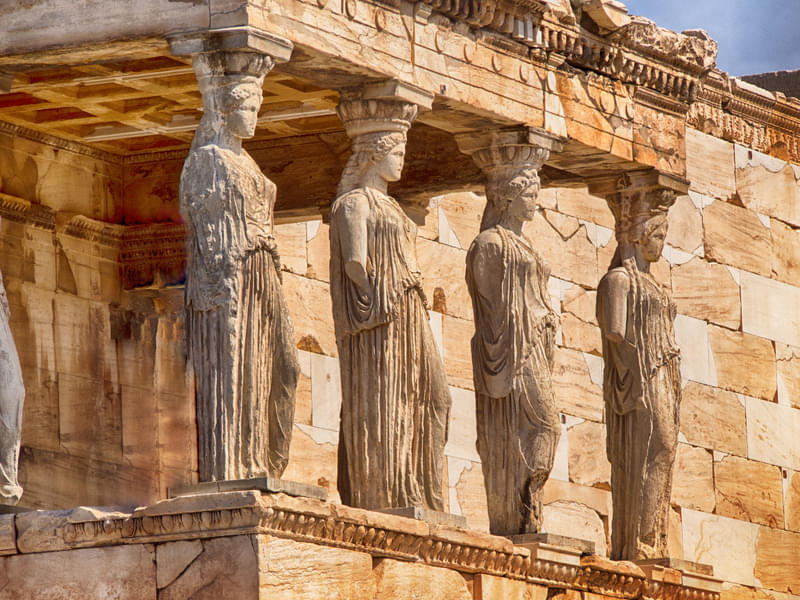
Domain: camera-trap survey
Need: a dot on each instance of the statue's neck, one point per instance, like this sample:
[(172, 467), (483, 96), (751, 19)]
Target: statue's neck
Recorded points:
[(628, 251)]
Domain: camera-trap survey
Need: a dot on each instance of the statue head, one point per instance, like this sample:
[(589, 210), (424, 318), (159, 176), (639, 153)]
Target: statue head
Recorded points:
[(230, 82), (378, 130), (641, 221), (512, 181)]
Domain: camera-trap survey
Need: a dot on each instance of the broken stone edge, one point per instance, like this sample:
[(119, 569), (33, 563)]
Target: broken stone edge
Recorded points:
[(327, 524)]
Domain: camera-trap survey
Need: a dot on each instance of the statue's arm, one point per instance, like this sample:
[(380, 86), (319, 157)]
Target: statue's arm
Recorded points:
[(614, 290), (351, 221), (488, 267)]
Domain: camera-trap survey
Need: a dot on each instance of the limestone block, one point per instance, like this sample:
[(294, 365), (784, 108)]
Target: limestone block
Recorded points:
[(457, 335), (292, 570), (685, 230), (675, 534), (588, 464), (318, 250), (443, 269), (489, 587), (791, 501), (573, 259), (313, 460), (573, 519), (576, 393), (744, 363), (772, 433), (697, 361), (693, 479), (580, 303), (769, 309), (228, 567), (396, 579), (462, 434), (8, 535), (471, 496), (565, 225), (291, 240), (118, 572), (429, 230), (713, 418), (749, 491), (597, 499), (579, 335), (172, 559), (463, 212), (309, 303), (768, 185), (727, 544), (326, 392), (739, 592), (707, 291), (735, 236), (710, 165), (785, 252), (302, 398), (777, 566)]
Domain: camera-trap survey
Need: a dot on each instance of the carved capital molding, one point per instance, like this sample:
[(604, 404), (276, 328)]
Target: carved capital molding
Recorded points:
[(231, 40), (509, 148), (637, 196)]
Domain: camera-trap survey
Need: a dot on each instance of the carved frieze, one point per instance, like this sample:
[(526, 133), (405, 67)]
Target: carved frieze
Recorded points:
[(334, 525)]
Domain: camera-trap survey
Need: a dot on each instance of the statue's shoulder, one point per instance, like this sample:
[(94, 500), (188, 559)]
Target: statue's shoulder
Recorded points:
[(616, 278), (350, 200), (488, 240)]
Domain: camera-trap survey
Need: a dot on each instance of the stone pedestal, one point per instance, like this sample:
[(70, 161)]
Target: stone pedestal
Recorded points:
[(251, 545), (550, 539), (261, 484), (433, 517)]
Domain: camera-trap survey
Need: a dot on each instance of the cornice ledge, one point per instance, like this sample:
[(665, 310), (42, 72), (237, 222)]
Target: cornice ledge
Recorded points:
[(328, 524)]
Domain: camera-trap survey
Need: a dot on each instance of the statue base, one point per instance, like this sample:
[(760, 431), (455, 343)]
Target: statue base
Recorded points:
[(551, 539), (11, 509), (420, 513), (262, 484), (678, 564), (679, 571)]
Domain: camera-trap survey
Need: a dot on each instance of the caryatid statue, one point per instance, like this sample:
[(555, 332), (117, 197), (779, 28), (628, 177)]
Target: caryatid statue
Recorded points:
[(240, 335), (642, 381), (515, 327), (12, 395), (395, 399)]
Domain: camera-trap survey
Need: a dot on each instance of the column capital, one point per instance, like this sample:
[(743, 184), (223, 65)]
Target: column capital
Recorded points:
[(231, 39), (631, 182), (509, 147)]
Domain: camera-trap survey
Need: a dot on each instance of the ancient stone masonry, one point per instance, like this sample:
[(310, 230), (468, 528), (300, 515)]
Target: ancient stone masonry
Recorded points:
[(641, 382), (515, 326), (324, 526), (240, 334), (395, 401)]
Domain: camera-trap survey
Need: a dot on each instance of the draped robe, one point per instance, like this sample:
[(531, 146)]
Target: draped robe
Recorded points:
[(12, 395), (641, 389), (240, 335), (512, 351), (395, 399)]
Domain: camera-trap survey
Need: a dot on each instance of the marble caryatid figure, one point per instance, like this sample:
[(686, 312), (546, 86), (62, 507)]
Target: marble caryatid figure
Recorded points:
[(395, 399), (512, 349), (641, 383), (12, 395), (240, 336)]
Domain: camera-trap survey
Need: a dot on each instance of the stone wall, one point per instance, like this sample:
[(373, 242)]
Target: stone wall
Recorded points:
[(109, 412)]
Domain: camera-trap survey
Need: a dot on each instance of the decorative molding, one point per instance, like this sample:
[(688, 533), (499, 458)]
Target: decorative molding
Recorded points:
[(21, 211), (147, 254), (745, 114), (638, 53), (328, 524), (61, 143)]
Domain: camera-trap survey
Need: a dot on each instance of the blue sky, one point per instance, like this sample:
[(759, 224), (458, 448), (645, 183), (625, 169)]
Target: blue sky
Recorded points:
[(754, 36)]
